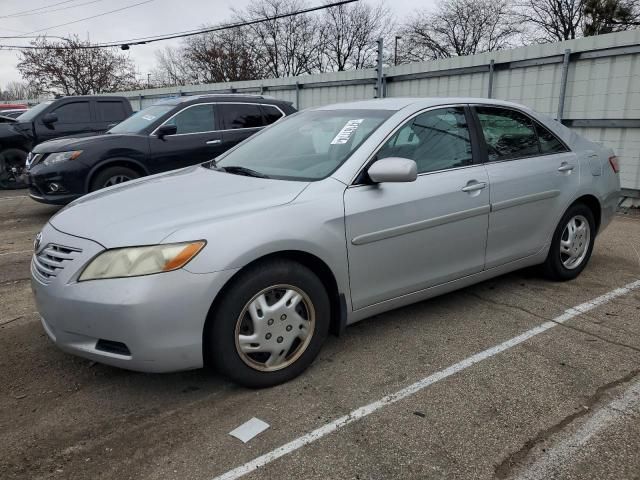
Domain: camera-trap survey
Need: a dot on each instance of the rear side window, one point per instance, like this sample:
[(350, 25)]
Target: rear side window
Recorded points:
[(549, 143), (75, 112), (194, 119), (241, 115), (271, 114), (110, 111), (508, 134)]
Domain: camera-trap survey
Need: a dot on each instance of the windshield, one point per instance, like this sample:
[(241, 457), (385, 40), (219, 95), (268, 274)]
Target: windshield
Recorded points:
[(306, 146), (142, 119), (31, 114)]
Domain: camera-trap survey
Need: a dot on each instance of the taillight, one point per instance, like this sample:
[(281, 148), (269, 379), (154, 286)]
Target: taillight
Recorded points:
[(613, 161)]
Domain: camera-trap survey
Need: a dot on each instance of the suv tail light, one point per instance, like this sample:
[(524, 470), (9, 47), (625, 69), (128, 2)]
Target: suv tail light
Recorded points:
[(613, 161)]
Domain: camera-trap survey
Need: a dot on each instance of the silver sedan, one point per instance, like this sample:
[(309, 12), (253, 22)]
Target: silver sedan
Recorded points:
[(332, 215)]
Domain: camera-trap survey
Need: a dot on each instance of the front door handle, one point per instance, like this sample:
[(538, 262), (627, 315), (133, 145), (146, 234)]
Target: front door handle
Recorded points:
[(213, 142), (565, 167), (472, 187)]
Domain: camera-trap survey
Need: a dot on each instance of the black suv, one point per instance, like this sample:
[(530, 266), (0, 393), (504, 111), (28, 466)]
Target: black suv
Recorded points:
[(171, 134), (80, 115)]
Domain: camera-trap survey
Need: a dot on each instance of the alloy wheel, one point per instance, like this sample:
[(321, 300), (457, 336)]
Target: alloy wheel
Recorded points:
[(116, 179)]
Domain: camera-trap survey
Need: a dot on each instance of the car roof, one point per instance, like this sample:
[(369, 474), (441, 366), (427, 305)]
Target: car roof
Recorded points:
[(220, 97), (398, 103)]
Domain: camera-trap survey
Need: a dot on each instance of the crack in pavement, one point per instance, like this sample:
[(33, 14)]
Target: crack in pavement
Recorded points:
[(504, 468), (547, 319)]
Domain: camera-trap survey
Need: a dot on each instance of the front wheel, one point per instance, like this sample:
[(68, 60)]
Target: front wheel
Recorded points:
[(12, 164), (112, 176), (572, 244), (269, 325)]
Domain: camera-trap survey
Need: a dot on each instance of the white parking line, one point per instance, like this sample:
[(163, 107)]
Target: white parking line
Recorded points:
[(392, 398), (15, 196), (564, 452), (16, 252)]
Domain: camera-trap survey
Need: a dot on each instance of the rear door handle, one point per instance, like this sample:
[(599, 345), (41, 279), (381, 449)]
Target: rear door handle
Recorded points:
[(213, 142), (565, 167), (472, 187)]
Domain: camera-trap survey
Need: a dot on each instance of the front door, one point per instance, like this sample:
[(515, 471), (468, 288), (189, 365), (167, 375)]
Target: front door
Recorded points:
[(196, 140), (239, 121), (533, 178), (74, 118), (405, 237)]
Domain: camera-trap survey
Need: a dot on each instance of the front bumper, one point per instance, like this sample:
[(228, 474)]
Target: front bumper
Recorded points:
[(158, 318), (69, 176)]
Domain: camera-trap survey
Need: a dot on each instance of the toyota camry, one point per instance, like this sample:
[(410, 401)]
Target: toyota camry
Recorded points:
[(334, 214)]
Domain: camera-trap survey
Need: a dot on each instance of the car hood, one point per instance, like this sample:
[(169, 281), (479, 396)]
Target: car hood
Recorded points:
[(146, 211), (77, 142)]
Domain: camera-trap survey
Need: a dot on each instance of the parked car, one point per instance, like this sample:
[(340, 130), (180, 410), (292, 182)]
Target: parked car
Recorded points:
[(171, 134), (330, 216), (83, 115), (12, 114)]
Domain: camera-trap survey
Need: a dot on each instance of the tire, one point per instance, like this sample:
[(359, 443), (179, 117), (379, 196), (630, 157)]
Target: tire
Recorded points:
[(559, 264), (231, 321), (10, 159), (112, 176)]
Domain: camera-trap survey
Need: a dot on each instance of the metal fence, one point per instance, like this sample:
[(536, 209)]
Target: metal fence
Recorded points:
[(591, 84)]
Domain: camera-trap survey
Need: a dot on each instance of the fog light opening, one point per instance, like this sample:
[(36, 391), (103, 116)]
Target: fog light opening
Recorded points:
[(54, 187)]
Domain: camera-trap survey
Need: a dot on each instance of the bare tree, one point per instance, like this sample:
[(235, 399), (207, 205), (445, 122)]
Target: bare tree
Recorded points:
[(18, 91), (222, 56), (349, 33), (69, 67), (552, 20), (606, 16), (287, 46), (460, 27), (172, 68)]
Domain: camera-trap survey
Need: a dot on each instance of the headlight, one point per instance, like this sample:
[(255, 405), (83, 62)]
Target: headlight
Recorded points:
[(61, 157), (135, 261)]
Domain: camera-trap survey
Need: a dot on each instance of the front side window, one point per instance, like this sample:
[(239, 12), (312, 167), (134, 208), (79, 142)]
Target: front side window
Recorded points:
[(435, 140), (76, 112), (309, 145), (507, 133), (194, 119), (241, 115)]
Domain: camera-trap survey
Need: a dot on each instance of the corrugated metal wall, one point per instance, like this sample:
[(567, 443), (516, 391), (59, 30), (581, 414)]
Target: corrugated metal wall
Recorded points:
[(602, 99)]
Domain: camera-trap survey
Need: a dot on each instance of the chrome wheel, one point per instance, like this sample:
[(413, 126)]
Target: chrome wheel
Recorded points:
[(116, 179), (275, 328), (574, 242)]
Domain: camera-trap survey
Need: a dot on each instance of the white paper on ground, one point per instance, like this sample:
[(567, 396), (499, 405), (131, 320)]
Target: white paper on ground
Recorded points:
[(250, 429)]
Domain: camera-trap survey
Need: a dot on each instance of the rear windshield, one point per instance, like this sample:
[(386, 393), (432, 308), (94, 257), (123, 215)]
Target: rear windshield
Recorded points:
[(137, 122)]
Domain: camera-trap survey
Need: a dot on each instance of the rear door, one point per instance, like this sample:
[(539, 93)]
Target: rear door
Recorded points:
[(405, 237), (239, 121), (197, 139), (74, 118), (533, 178)]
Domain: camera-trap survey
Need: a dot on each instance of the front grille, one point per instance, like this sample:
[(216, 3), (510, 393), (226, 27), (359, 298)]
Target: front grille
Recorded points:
[(51, 260)]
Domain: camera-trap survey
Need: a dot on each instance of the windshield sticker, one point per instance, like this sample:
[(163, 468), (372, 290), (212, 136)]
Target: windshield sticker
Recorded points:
[(148, 117), (344, 135)]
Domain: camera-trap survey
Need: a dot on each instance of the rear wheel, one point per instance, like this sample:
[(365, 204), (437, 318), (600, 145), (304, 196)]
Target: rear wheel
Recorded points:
[(12, 164), (572, 244), (270, 324), (112, 176)]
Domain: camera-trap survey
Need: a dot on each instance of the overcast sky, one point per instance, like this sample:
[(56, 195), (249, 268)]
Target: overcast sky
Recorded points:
[(152, 18)]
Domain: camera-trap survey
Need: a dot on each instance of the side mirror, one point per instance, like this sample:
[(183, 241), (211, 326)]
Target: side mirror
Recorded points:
[(165, 130), (49, 118), (393, 169)]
